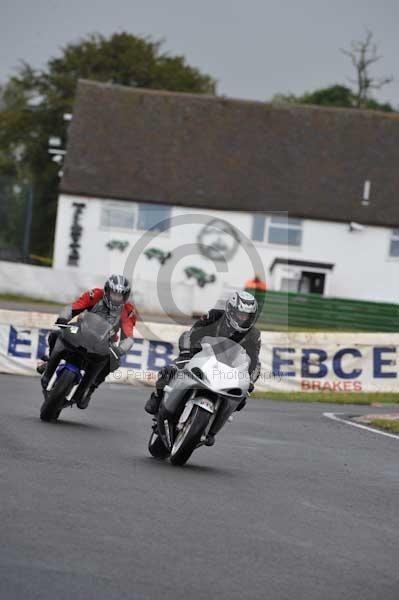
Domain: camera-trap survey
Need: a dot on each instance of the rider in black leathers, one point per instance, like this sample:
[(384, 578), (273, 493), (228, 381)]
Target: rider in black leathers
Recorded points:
[(236, 322)]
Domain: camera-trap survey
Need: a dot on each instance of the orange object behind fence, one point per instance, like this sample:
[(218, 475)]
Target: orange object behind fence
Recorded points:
[(256, 285)]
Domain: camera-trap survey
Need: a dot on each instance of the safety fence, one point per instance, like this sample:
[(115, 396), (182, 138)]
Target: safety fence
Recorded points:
[(308, 362), (284, 310)]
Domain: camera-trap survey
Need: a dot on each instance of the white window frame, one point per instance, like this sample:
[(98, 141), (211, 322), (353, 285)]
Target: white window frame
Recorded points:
[(127, 207), (269, 224), (394, 237), (130, 208), (284, 227)]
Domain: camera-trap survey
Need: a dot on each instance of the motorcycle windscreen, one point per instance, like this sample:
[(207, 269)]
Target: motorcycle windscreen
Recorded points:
[(93, 334), (225, 351)]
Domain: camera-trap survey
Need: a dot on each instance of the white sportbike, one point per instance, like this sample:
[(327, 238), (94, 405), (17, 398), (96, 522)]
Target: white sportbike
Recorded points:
[(200, 399)]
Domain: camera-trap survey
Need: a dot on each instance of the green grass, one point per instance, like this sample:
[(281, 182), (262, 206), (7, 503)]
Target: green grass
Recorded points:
[(362, 398), (391, 425), (309, 328), (26, 299), (286, 328)]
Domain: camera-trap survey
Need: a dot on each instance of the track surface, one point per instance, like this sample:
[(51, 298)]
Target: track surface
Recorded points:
[(286, 505)]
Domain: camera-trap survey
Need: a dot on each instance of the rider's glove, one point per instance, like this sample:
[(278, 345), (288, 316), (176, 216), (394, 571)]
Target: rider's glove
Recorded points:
[(62, 321), (183, 358), (251, 388), (254, 375)]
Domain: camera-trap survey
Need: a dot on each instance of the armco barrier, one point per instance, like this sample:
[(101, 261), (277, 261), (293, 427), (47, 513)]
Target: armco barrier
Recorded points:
[(343, 362)]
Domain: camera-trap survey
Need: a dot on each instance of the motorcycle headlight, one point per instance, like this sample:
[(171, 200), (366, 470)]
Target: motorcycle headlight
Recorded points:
[(234, 392), (198, 373)]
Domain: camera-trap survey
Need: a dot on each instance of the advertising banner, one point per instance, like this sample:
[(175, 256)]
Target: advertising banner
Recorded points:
[(307, 362)]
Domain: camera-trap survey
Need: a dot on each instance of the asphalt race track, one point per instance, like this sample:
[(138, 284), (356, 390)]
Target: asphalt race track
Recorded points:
[(286, 505)]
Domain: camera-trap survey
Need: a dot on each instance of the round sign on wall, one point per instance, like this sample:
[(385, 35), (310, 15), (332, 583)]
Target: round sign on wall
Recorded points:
[(218, 240)]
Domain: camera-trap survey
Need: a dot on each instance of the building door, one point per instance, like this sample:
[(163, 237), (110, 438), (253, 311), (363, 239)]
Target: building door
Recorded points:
[(312, 283)]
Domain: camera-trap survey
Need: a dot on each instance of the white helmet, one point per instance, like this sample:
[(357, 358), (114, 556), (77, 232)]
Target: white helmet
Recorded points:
[(241, 311)]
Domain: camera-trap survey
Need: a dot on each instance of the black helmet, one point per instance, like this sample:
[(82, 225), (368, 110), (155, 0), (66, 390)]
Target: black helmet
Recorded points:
[(116, 291), (241, 311)]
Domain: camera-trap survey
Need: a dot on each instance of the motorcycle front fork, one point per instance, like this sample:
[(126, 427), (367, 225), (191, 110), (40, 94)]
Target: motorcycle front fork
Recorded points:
[(53, 379), (212, 420)]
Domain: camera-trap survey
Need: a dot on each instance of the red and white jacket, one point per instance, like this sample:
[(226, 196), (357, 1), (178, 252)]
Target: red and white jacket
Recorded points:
[(124, 319)]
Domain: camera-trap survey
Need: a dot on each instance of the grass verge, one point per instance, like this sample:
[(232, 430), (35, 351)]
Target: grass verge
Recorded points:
[(26, 299), (302, 328), (391, 425), (361, 398)]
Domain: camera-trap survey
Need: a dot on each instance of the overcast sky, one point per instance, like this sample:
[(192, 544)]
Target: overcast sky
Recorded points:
[(254, 48)]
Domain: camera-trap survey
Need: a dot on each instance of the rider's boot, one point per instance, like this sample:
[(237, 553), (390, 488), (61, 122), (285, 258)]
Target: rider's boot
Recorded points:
[(83, 403), (153, 402), (45, 379), (210, 439), (42, 365), (241, 405)]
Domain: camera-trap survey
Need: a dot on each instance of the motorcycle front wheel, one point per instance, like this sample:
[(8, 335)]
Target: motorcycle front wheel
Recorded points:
[(189, 436), (55, 398)]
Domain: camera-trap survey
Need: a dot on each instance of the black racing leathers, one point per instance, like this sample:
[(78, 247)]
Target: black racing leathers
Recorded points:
[(214, 324)]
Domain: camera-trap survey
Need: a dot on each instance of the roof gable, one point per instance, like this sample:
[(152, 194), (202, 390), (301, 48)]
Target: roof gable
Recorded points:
[(212, 152)]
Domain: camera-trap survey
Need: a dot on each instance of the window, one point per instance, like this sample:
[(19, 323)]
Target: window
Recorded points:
[(258, 228), (277, 229), (283, 230), (154, 217), (135, 216), (118, 215), (394, 245)]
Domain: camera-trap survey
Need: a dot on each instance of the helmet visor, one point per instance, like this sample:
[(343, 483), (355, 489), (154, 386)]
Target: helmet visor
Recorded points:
[(244, 319), (116, 298)]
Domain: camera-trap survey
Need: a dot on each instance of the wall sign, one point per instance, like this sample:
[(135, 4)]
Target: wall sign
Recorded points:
[(158, 254), (75, 234), (117, 245), (200, 276), (218, 240)]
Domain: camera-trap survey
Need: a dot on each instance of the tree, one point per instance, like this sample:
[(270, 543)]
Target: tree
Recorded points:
[(2, 90), (363, 54), (336, 95), (33, 104)]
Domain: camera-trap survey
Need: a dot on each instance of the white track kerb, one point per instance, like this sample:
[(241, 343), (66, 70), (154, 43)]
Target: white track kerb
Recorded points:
[(335, 417)]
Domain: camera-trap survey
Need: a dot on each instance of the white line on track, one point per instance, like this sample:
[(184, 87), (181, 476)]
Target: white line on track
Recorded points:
[(359, 425)]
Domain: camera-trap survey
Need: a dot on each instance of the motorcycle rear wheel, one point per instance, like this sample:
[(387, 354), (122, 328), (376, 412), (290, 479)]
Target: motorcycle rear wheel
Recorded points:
[(55, 398), (190, 435)]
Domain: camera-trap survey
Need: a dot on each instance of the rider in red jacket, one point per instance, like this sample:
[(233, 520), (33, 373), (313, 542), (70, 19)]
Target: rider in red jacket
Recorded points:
[(110, 303)]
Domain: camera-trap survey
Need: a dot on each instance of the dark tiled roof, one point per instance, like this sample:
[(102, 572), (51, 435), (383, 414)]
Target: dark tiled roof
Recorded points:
[(204, 151)]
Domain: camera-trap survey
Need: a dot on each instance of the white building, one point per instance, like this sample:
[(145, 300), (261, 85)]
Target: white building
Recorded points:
[(304, 196)]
